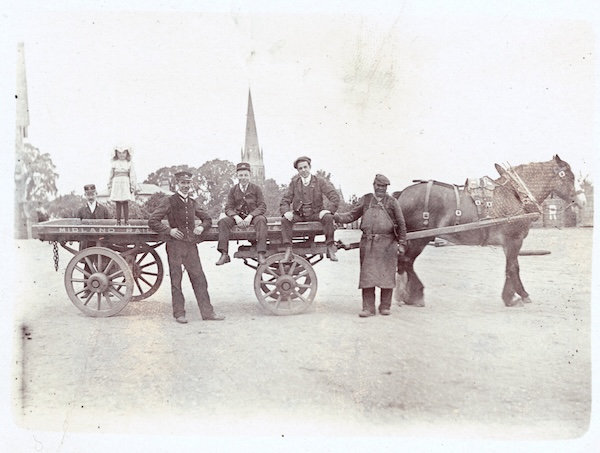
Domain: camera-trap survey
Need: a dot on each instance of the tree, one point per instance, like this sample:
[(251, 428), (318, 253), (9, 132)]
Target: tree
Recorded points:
[(151, 204), (37, 174), (215, 178), (168, 174), (324, 174), (65, 206), (273, 193)]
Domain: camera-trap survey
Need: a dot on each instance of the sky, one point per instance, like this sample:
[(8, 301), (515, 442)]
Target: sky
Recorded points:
[(413, 90)]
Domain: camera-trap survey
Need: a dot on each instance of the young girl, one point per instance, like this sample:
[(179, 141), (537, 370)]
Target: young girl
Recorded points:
[(122, 182)]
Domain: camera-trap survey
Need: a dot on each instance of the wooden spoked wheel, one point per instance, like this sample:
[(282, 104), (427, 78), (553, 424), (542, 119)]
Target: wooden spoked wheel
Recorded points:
[(285, 288), (99, 282), (147, 269)]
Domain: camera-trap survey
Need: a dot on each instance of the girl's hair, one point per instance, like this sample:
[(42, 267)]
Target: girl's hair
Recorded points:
[(128, 156)]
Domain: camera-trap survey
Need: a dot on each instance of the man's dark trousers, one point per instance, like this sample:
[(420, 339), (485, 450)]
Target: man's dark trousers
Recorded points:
[(227, 223), (327, 221), (186, 253)]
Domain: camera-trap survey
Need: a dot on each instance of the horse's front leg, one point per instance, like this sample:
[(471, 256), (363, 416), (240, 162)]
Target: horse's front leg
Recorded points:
[(409, 288), (513, 283)]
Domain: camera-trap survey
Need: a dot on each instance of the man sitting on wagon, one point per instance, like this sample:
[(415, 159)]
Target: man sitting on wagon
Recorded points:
[(245, 206), (303, 202)]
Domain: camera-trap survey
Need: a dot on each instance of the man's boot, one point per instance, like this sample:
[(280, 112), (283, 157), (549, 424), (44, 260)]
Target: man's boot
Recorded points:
[(224, 259), (331, 252)]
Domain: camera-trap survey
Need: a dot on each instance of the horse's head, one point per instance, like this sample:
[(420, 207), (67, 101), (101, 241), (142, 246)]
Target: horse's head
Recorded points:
[(565, 185)]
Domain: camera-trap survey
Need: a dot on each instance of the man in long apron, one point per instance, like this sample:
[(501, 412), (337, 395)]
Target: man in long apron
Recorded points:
[(382, 241)]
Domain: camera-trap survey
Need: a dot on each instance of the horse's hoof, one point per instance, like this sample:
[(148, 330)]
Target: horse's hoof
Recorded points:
[(526, 300), (514, 303), (416, 303)]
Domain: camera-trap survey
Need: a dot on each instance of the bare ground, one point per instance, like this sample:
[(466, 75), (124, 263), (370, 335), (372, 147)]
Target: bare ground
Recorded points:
[(464, 366)]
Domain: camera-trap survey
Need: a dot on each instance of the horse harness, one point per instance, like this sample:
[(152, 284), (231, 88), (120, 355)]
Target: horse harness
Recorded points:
[(482, 192), (426, 214)]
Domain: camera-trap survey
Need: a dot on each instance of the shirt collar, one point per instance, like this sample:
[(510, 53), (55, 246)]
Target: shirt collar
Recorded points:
[(92, 205), (183, 197), (306, 181), (244, 188)]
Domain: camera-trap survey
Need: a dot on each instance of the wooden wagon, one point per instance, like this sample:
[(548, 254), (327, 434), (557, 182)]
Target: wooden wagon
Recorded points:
[(123, 264)]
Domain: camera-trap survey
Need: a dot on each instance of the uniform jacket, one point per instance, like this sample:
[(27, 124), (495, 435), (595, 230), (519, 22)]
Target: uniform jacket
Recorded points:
[(293, 196), (390, 205), (101, 212), (181, 215), (253, 198)]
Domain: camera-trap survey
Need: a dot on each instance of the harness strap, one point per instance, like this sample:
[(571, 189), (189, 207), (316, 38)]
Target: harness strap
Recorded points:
[(458, 212), (427, 195)]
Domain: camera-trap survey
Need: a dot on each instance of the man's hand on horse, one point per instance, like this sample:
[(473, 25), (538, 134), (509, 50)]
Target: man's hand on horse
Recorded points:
[(198, 230)]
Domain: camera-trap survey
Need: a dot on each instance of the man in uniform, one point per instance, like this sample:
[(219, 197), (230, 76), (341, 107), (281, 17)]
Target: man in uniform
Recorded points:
[(91, 210), (382, 243), (181, 211), (245, 206), (303, 202)]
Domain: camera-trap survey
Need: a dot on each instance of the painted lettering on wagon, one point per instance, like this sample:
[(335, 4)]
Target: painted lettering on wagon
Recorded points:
[(102, 230), (85, 230)]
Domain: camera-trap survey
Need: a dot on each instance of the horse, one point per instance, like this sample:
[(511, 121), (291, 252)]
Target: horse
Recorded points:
[(519, 190)]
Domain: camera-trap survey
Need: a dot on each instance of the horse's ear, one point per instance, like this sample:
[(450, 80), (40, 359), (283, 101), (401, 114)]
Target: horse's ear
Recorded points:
[(557, 159), (501, 171), (397, 194)]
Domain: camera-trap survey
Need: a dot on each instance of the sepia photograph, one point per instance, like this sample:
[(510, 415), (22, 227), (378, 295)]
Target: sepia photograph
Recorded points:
[(299, 226)]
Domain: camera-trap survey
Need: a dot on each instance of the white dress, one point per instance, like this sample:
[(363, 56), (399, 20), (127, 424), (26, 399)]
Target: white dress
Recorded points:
[(122, 180)]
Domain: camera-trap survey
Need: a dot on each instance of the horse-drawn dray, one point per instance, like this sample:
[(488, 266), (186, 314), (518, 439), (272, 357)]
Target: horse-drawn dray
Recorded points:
[(123, 264)]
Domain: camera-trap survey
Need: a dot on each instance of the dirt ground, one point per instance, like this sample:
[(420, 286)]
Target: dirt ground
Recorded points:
[(462, 367)]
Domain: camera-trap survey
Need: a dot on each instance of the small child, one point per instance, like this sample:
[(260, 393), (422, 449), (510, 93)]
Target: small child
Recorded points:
[(122, 182)]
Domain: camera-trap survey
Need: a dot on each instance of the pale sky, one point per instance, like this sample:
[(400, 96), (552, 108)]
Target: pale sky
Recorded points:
[(413, 90)]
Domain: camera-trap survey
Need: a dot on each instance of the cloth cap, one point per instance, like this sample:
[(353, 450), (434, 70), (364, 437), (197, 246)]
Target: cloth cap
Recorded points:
[(380, 179), (301, 159), (89, 187), (242, 166), (183, 176)]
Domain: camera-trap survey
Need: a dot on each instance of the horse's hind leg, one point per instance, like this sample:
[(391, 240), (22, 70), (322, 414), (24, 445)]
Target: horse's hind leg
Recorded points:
[(409, 288), (513, 283)]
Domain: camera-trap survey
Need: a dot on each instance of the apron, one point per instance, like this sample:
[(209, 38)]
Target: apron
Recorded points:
[(378, 250)]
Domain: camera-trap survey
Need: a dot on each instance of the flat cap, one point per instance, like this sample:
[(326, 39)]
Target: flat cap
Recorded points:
[(301, 159), (242, 166), (89, 187), (380, 179), (183, 175)]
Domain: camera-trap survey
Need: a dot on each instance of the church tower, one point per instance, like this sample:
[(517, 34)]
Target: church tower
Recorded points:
[(252, 152)]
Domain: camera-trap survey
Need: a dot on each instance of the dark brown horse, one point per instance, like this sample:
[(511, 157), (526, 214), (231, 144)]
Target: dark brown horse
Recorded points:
[(519, 190)]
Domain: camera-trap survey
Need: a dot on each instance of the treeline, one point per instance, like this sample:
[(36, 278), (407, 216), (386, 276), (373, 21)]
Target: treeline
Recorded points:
[(211, 184)]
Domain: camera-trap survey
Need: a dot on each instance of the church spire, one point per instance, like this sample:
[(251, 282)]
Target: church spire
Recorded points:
[(22, 123), (252, 152)]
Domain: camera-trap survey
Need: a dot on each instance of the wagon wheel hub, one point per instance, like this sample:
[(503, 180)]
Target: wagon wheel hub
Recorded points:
[(98, 282), (286, 284)]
